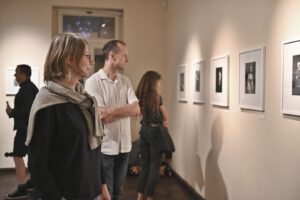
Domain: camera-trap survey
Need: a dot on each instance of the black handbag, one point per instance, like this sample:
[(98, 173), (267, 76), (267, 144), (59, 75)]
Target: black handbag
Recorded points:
[(165, 140)]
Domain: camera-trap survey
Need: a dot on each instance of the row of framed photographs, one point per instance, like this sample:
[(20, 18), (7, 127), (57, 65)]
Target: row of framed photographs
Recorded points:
[(252, 65)]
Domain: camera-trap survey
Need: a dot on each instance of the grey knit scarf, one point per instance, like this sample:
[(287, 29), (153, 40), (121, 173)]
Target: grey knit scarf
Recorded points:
[(55, 93)]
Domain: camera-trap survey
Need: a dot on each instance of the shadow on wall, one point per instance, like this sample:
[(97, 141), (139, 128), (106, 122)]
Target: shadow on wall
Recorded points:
[(215, 184), (199, 178), (199, 174)]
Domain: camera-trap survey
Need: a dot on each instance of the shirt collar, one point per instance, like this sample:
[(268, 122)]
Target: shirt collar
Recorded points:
[(103, 76)]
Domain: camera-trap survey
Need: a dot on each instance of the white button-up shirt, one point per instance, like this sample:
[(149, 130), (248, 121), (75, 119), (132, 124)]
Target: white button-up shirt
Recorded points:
[(109, 93)]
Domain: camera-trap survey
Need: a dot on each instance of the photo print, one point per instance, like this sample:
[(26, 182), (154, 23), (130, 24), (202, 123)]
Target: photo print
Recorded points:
[(296, 75), (181, 82), (219, 79), (197, 80), (181, 90), (250, 78)]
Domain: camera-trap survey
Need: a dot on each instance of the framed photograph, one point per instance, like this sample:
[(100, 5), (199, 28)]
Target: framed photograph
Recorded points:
[(219, 81), (252, 79), (11, 85), (198, 86), (291, 78), (181, 83)]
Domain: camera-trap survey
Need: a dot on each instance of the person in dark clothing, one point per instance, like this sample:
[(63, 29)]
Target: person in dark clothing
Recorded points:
[(154, 115), (20, 113), (64, 131)]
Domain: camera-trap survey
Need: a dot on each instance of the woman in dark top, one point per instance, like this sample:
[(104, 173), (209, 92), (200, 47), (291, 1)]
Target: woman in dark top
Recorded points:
[(154, 115), (64, 134)]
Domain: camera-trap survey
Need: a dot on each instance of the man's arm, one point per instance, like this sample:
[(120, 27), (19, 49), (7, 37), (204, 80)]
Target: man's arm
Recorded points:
[(23, 110), (109, 115)]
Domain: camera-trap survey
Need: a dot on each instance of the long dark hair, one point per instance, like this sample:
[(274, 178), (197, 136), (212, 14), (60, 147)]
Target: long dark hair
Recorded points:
[(147, 92)]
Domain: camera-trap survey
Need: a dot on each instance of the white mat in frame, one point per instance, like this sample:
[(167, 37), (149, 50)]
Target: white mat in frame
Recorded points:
[(220, 81), (252, 79)]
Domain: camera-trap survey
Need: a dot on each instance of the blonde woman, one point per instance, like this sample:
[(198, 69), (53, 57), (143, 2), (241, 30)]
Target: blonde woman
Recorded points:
[(63, 133)]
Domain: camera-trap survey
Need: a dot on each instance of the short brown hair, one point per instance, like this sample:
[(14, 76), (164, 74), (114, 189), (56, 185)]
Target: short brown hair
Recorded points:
[(25, 69), (111, 46), (63, 45)]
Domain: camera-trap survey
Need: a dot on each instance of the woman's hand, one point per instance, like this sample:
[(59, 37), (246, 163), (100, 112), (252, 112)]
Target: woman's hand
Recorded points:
[(105, 193)]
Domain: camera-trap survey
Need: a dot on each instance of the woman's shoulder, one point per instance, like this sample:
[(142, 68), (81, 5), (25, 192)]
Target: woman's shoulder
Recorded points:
[(45, 99)]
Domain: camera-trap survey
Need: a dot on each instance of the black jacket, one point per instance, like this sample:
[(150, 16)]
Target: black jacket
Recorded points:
[(60, 159), (22, 105)]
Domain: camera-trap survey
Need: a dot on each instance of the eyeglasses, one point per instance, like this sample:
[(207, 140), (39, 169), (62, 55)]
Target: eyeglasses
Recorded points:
[(89, 56)]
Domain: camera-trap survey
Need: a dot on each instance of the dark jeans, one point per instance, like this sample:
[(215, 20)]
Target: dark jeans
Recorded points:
[(150, 160), (115, 168)]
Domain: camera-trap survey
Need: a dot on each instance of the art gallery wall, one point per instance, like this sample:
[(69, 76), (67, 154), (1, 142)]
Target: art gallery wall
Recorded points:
[(223, 153), (26, 31), (232, 153)]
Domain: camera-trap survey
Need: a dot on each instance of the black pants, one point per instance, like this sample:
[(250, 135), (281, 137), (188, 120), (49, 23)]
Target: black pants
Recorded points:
[(150, 160)]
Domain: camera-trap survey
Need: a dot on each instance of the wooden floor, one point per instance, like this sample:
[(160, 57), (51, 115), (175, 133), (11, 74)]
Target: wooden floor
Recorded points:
[(169, 188)]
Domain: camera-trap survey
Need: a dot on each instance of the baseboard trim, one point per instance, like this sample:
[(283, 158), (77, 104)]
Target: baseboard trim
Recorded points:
[(10, 170), (7, 170), (188, 186)]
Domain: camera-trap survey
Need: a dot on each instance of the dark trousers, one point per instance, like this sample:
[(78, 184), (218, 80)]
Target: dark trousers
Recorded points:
[(150, 160), (115, 167)]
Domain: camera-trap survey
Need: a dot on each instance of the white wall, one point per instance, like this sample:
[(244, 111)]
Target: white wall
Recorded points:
[(25, 35), (229, 153), (222, 153)]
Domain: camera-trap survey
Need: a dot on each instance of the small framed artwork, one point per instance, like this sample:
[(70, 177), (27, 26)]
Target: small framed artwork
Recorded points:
[(198, 86), (219, 81), (252, 79), (11, 85), (181, 83), (291, 78)]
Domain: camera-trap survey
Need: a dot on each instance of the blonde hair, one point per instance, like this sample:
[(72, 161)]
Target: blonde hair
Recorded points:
[(63, 46)]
